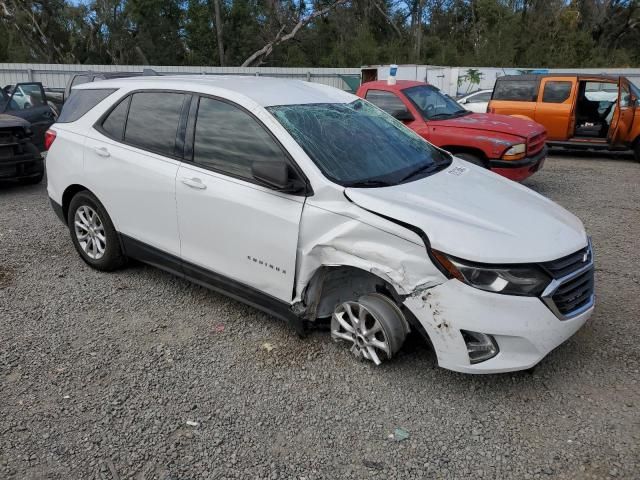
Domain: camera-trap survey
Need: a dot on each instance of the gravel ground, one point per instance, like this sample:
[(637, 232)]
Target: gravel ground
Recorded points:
[(102, 375)]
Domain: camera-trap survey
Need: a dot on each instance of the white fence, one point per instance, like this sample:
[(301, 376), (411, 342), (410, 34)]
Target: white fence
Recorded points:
[(454, 81), (57, 75)]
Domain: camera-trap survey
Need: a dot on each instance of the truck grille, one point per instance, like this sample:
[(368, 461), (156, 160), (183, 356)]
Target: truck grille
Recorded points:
[(571, 291), (536, 143)]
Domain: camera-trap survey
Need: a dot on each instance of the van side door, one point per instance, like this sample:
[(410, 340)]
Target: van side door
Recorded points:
[(233, 229), (556, 98), (623, 115)]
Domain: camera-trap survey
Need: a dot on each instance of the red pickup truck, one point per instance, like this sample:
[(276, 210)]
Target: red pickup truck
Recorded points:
[(510, 146)]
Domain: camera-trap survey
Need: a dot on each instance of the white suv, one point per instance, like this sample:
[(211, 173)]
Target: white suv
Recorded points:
[(312, 204)]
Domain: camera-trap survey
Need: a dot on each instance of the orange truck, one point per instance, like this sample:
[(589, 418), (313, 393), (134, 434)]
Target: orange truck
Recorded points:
[(578, 110)]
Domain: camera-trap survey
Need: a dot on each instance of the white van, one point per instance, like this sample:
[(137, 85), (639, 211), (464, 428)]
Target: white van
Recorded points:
[(315, 206)]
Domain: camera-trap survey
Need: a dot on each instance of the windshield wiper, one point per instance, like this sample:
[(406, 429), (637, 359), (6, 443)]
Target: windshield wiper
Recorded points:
[(369, 184), (428, 168), (432, 117)]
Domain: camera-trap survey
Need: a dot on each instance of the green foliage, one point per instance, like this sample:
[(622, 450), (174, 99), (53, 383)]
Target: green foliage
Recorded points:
[(523, 33)]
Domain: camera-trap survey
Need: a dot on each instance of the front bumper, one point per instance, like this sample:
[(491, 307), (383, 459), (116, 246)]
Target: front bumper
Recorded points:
[(518, 170), (525, 329), (25, 166)]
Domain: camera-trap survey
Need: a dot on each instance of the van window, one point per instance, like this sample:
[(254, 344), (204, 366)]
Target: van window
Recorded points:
[(113, 125), (80, 102), (479, 97), (153, 120), (518, 90), (386, 101), (228, 139), (556, 92)]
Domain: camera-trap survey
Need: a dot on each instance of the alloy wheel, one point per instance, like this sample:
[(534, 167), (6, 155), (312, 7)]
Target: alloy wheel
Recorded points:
[(372, 326), (90, 232)]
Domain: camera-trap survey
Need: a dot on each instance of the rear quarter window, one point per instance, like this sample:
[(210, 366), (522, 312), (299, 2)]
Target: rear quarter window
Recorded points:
[(80, 102), (516, 90)]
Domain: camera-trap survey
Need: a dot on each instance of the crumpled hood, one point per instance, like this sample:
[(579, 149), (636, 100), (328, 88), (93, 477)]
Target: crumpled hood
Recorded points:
[(474, 214), (491, 122), (8, 121)]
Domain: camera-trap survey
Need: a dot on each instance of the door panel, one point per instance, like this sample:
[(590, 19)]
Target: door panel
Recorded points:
[(238, 229), (137, 188), (554, 109), (622, 116), (28, 101)]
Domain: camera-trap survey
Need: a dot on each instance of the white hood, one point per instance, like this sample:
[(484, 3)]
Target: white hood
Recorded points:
[(471, 213)]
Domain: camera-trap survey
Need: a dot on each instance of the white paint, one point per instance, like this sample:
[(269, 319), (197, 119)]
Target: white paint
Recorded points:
[(464, 210)]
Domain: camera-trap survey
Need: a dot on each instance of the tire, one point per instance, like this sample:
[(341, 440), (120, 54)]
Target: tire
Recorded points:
[(471, 158), (374, 326), (636, 151), (31, 180), (93, 234)]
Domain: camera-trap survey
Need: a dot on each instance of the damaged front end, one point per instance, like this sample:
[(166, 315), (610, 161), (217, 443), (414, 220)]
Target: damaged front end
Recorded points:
[(20, 159)]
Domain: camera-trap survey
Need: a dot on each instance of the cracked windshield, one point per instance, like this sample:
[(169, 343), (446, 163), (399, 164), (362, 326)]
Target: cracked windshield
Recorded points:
[(368, 147)]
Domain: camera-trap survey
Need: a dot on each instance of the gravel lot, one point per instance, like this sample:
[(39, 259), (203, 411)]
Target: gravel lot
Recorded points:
[(100, 373)]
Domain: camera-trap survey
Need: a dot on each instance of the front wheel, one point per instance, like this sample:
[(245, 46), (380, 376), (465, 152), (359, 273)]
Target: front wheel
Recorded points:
[(93, 233), (374, 326)]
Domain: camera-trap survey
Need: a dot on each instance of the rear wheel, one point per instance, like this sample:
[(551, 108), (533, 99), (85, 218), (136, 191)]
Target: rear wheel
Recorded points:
[(374, 326), (471, 158), (93, 233)]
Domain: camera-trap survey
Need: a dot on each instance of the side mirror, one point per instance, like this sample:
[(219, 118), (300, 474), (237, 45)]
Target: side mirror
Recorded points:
[(463, 101), (403, 115), (276, 175)]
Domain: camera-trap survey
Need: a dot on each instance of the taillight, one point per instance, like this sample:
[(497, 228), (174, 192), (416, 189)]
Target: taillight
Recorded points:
[(49, 137)]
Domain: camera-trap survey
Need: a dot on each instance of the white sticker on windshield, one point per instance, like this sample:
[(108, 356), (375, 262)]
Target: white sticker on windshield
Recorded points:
[(457, 171)]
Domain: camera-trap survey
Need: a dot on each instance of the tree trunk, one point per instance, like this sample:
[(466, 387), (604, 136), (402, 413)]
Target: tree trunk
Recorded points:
[(216, 8)]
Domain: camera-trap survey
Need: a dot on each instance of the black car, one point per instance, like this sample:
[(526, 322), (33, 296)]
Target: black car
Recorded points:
[(28, 101), (20, 159)]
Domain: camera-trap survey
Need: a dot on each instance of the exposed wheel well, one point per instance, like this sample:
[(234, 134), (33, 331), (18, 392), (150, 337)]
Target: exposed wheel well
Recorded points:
[(333, 285), (470, 150), (68, 194)]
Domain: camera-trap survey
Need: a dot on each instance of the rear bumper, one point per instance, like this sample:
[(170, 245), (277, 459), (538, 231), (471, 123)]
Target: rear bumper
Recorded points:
[(518, 170)]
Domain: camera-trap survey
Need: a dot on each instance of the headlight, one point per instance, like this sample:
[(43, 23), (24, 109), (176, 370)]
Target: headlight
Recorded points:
[(515, 152), (527, 280)]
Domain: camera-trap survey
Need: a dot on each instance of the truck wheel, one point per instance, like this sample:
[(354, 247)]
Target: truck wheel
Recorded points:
[(374, 326), (93, 233), (469, 157), (636, 151)]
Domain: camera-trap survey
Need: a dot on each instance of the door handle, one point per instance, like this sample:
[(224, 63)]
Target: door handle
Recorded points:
[(193, 183), (103, 152)]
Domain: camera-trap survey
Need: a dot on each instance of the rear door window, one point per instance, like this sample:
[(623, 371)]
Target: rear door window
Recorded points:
[(229, 140), (152, 123), (516, 90), (556, 92), (80, 102), (386, 101)]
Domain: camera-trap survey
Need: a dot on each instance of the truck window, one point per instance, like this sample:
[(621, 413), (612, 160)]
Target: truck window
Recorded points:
[(516, 90), (386, 101), (556, 92)]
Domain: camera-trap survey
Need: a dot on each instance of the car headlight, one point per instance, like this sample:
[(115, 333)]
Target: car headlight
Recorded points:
[(515, 152), (528, 280)]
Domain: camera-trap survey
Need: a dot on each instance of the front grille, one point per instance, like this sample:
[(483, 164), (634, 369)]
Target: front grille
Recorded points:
[(536, 144), (571, 291), (566, 265)]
